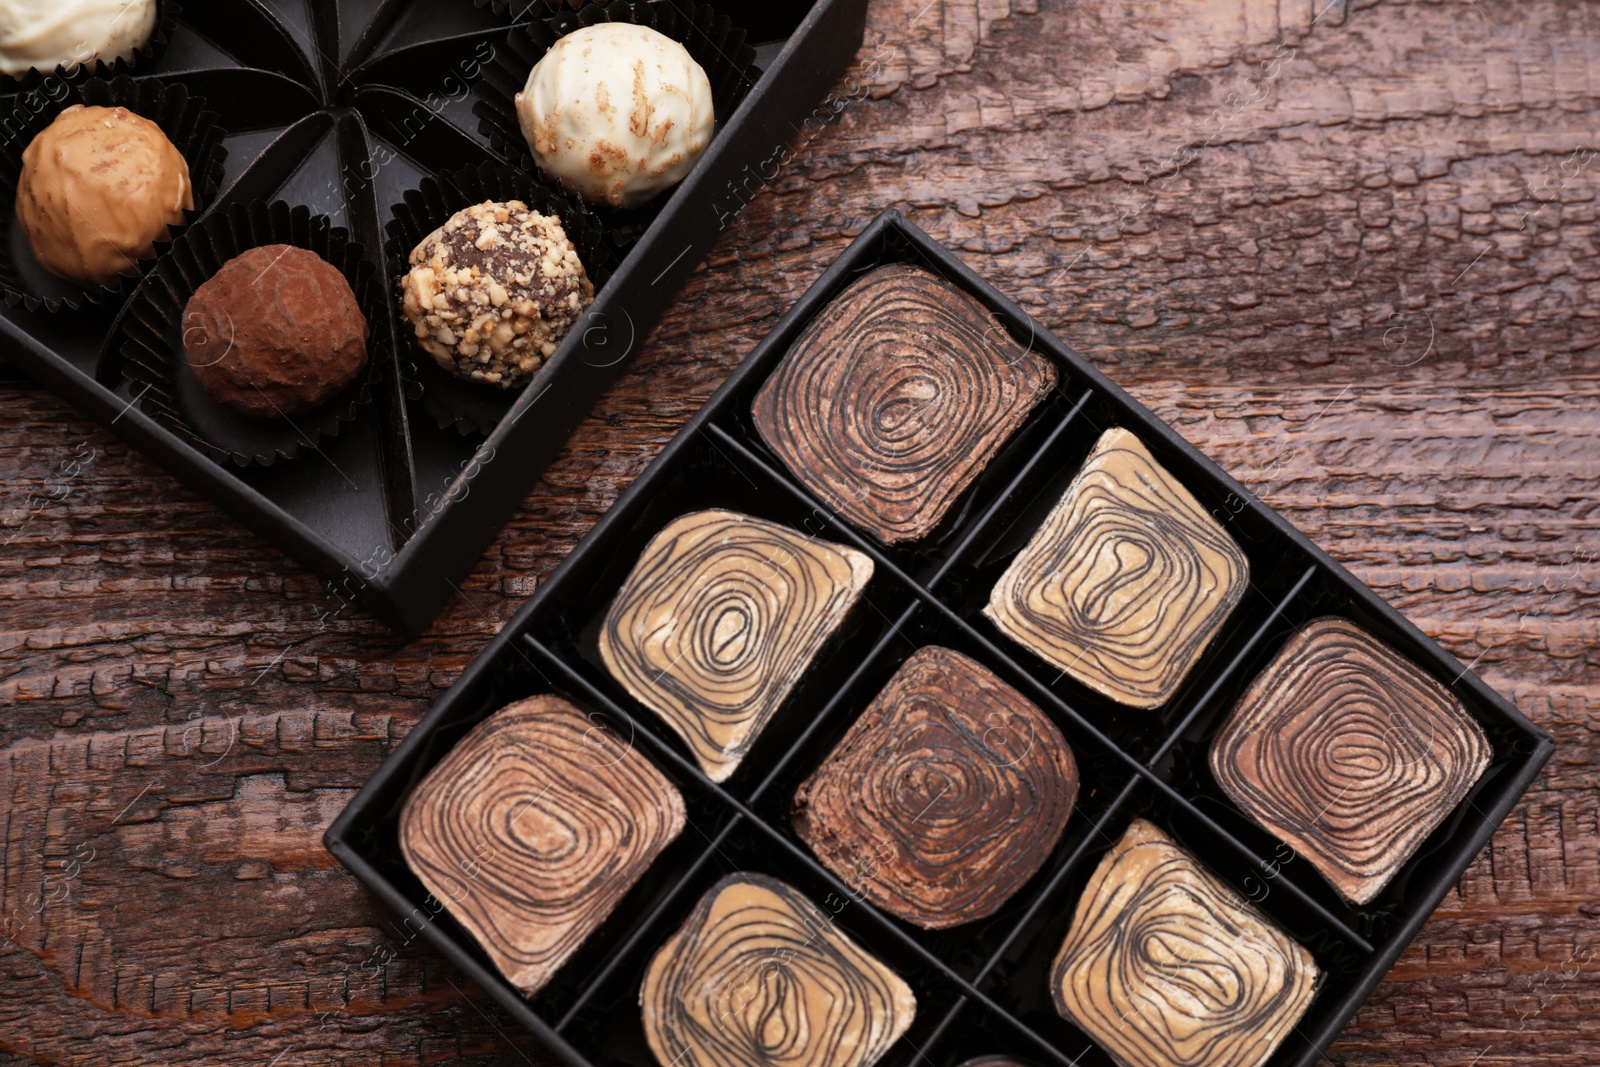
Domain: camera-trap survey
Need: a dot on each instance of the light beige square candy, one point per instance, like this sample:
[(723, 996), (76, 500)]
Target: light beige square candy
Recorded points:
[(1127, 581)]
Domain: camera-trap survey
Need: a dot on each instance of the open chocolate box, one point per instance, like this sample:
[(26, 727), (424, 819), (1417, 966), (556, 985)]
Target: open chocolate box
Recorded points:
[(344, 109), (983, 987)]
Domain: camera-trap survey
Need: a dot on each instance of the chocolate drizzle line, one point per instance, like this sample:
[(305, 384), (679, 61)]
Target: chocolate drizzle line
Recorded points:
[(1165, 966), (896, 397), (758, 976), (532, 829), (944, 798), (719, 619), (1127, 581), (1350, 753)]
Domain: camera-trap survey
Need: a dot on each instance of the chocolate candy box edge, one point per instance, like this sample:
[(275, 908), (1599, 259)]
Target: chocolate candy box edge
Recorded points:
[(533, 634)]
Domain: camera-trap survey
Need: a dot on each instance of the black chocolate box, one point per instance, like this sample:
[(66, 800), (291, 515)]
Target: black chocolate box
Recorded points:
[(343, 109), (982, 987)]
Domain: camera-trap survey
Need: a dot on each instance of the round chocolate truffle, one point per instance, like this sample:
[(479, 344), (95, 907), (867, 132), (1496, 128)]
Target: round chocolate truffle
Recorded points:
[(493, 291), (617, 112), (99, 187), (45, 34), (276, 331)]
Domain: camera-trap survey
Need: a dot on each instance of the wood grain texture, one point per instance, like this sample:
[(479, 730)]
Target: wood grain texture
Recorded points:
[(1368, 284)]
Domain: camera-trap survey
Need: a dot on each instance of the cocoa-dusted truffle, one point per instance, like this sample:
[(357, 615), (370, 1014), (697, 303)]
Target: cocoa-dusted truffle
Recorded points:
[(493, 291), (276, 331), (99, 187)]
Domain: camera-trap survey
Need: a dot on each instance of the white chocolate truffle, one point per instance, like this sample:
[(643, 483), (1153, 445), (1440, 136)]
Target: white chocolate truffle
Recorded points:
[(51, 33), (617, 112)]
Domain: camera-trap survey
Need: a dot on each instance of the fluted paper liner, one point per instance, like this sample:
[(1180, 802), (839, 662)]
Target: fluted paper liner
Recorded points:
[(192, 130), (476, 407)]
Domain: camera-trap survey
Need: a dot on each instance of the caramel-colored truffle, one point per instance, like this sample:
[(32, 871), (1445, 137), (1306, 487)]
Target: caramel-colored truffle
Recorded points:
[(98, 189), (276, 331), (493, 291), (617, 113)]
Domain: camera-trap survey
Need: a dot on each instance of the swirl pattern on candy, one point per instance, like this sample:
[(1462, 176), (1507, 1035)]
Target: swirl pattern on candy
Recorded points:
[(1350, 753), (758, 976), (532, 829), (1127, 581), (896, 397), (1165, 966), (719, 619), (947, 794)]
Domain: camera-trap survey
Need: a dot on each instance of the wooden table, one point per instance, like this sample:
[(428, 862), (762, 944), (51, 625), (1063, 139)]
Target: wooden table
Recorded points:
[(1352, 256)]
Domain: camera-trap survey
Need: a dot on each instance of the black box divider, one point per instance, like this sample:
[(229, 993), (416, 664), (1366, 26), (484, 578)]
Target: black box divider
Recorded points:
[(363, 43), (798, 856), (446, 53), (930, 1053), (1002, 498), (252, 35), (802, 741), (1063, 871), (400, 469), (649, 926), (1230, 674), (1042, 693)]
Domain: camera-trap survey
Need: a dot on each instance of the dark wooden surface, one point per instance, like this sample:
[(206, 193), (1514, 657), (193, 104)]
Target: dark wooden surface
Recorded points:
[(1365, 280)]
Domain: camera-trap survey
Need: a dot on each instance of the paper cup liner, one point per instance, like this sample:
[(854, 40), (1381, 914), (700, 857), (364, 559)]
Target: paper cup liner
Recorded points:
[(148, 343), (713, 41), (144, 60), (518, 10), (192, 130), (476, 407)]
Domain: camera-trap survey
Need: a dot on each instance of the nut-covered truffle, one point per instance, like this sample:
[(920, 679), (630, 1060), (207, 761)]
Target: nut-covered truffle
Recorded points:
[(492, 292), (99, 187), (617, 112), (45, 34), (276, 331)]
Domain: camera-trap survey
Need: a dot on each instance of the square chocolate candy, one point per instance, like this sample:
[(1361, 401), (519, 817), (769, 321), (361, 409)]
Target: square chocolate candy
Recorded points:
[(533, 828), (759, 976), (896, 397), (1350, 753), (1165, 966), (718, 621), (946, 796), (1127, 581)]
